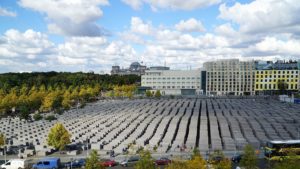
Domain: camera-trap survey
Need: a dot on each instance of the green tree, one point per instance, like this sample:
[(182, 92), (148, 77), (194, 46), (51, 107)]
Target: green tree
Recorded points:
[(67, 100), (178, 164), (96, 90), (249, 160), (35, 99), (146, 161), (83, 94), (92, 162), (197, 162), (157, 94), (2, 139), (129, 95), (58, 136), (110, 94), (51, 101), (148, 93), (288, 163), (24, 111), (282, 86), (219, 161)]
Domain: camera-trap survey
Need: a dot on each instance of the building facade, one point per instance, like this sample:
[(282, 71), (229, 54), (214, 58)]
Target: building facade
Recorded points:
[(277, 78), (135, 68), (230, 77), (173, 82)]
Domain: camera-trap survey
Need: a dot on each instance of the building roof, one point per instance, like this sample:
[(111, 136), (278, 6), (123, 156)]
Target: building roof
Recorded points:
[(285, 141)]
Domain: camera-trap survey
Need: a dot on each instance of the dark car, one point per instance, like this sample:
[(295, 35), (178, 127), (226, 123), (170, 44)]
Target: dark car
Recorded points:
[(216, 159), (129, 162), (237, 158), (108, 163), (162, 161), (80, 163)]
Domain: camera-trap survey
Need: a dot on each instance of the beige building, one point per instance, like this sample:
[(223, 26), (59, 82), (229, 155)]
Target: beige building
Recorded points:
[(173, 82), (230, 77)]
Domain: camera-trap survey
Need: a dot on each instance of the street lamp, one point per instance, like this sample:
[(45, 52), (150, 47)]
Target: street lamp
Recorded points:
[(4, 150), (87, 147), (298, 131)]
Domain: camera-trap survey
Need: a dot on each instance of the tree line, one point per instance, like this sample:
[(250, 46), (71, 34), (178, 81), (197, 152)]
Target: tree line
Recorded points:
[(25, 93)]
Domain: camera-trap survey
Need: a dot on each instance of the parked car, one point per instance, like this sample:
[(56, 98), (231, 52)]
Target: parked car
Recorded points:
[(47, 163), (162, 161), (80, 163), (108, 163), (129, 162), (15, 164), (237, 158)]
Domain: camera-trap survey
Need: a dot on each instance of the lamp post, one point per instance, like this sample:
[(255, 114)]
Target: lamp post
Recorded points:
[(4, 150), (87, 147), (207, 158), (298, 131)]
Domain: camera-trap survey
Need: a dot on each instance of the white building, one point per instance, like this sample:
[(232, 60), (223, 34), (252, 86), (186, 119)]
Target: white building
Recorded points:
[(230, 77), (173, 82)]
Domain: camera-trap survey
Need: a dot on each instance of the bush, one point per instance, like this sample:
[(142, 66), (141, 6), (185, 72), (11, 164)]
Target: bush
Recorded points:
[(59, 111), (157, 94), (37, 117), (50, 118), (249, 159), (82, 105)]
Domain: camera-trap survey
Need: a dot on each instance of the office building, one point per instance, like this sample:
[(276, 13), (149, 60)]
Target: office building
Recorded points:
[(230, 77), (173, 82)]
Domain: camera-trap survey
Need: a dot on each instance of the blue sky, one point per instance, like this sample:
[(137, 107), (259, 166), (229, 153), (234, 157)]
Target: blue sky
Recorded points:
[(86, 35)]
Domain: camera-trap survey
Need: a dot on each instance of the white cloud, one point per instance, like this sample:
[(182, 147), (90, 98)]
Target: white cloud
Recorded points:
[(24, 50), (94, 52), (29, 44), (181, 49), (226, 30), (74, 18), (172, 4), (71, 61), (264, 15), (274, 46), (5, 12), (135, 4), (190, 25), (32, 51), (138, 26)]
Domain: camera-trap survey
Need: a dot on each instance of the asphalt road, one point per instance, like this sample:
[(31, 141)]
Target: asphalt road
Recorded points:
[(262, 163)]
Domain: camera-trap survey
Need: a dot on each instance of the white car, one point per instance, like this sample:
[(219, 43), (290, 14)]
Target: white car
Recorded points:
[(15, 164)]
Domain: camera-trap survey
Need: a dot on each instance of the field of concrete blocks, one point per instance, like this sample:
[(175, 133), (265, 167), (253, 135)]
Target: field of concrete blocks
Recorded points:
[(170, 125)]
